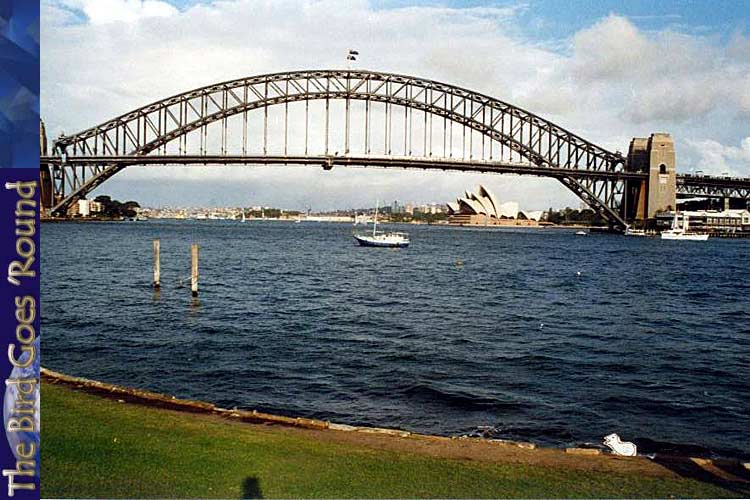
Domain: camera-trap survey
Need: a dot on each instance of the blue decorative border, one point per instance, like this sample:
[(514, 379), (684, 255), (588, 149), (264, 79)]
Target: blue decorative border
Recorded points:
[(19, 84), (19, 248)]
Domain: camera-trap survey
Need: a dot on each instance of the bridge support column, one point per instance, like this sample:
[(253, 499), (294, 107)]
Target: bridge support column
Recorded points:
[(45, 173), (655, 156), (45, 180), (640, 206)]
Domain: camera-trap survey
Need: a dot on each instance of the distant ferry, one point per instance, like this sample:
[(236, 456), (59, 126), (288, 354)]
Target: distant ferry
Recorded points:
[(389, 239)]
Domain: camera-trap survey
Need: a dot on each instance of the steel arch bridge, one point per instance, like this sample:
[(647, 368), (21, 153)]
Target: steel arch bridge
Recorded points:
[(701, 186), (432, 119)]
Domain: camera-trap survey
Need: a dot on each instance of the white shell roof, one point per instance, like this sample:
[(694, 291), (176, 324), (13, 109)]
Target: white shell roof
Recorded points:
[(473, 206)]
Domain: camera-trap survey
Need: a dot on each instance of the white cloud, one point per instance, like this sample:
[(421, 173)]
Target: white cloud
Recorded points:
[(612, 82), (714, 158), (107, 11), (664, 76), (612, 49)]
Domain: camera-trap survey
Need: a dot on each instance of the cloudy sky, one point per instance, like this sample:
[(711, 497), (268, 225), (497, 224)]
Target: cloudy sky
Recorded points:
[(606, 70)]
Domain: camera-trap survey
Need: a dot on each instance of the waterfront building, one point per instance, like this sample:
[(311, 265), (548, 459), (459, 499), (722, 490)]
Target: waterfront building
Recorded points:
[(95, 207), (331, 218), (716, 222), (483, 208), (536, 215), (508, 210), (428, 209), (84, 209)]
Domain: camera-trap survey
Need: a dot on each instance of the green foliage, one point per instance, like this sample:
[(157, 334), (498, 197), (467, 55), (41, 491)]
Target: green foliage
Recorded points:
[(115, 208), (270, 213), (572, 216)]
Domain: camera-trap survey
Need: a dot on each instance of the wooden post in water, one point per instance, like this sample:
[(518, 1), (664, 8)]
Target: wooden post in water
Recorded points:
[(157, 268), (194, 269)]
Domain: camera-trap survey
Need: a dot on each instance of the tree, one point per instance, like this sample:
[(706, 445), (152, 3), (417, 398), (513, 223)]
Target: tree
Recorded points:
[(114, 208)]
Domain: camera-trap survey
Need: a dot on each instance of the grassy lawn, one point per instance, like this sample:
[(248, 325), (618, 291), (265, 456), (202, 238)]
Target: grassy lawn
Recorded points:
[(97, 447)]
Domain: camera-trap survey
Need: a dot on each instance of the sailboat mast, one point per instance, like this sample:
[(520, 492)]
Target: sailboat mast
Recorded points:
[(375, 224)]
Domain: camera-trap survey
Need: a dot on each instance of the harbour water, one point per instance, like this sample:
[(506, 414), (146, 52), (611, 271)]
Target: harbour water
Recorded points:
[(532, 334)]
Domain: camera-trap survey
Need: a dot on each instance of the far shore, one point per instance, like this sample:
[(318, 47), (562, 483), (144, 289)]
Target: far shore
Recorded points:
[(53, 220)]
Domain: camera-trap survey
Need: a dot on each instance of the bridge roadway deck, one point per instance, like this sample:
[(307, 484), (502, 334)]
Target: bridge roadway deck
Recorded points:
[(329, 161), (687, 184), (717, 182)]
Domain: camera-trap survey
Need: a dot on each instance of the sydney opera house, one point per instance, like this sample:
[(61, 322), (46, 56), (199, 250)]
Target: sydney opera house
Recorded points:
[(482, 208)]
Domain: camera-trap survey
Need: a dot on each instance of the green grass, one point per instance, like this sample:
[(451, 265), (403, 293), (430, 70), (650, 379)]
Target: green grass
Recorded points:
[(96, 447)]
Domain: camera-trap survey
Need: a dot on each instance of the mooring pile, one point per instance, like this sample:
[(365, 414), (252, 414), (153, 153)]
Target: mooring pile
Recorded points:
[(193, 267)]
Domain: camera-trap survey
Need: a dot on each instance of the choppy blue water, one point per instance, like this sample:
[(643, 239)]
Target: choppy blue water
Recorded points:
[(651, 340)]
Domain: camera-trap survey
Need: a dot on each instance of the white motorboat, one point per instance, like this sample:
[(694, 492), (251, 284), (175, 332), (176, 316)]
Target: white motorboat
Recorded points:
[(389, 239), (635, 232), (581, 233), (681, 233)]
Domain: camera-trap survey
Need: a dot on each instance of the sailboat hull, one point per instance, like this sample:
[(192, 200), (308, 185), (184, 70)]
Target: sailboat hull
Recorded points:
[(383, 242)]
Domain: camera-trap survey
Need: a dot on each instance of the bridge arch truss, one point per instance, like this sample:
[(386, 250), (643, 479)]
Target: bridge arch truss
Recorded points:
[(519, 141)]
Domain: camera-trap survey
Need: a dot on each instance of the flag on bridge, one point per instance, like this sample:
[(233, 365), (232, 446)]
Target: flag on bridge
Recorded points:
[(352, 55)]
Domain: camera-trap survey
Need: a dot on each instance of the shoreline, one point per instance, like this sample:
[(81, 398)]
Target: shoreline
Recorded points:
[(165, 402), (101, 446), (58, 220)]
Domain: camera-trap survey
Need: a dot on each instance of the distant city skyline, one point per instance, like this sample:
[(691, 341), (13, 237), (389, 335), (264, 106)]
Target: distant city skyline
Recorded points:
[(608, 71), (403, 206), (250, 183)]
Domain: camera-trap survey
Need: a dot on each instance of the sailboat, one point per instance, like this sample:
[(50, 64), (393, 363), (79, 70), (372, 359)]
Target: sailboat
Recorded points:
[(682, 233), (390, 239), (243, 216)]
